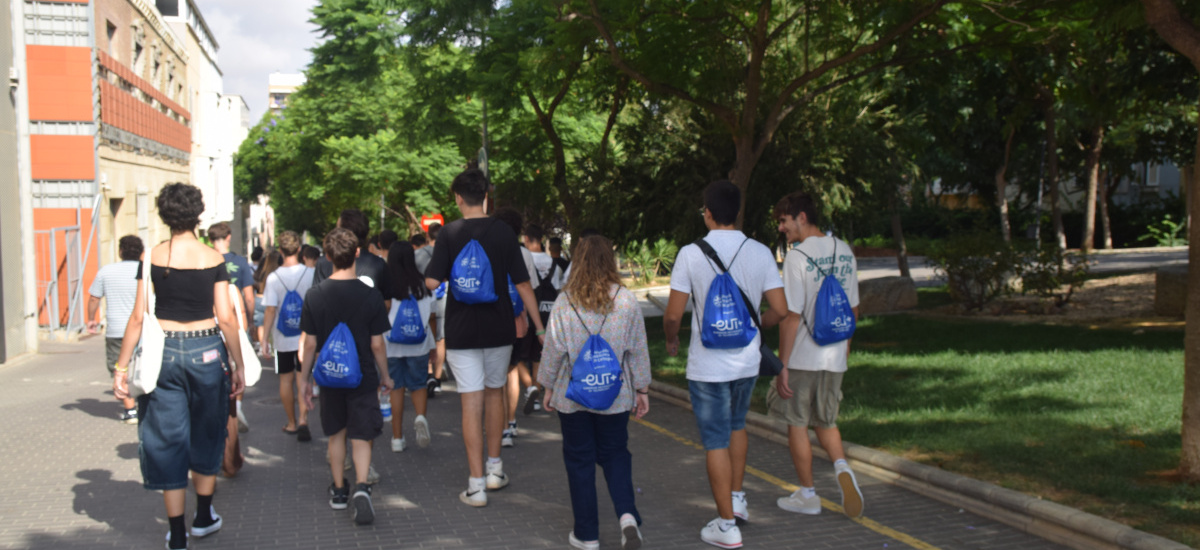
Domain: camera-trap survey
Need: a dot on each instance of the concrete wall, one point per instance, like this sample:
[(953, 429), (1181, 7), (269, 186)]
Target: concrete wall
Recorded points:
[(12, 325)]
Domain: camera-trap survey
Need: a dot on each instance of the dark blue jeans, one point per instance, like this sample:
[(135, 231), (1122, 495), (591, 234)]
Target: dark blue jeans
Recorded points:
[(183, 422), (590, 439)]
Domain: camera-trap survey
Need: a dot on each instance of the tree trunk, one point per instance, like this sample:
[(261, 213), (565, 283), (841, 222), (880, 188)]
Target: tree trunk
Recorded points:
[(1002, 187), (1091, 167), (1105, 225), (1178, 31), (898, 235), (1051, 124), (743, 167)]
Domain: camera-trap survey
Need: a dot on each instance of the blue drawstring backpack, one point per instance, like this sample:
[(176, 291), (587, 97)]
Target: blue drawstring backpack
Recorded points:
[(290, 309), (441, 291), (408, 327), (833, 318), (471, 275), (517, 302), (726, 323), (596, 375), (337, 365)]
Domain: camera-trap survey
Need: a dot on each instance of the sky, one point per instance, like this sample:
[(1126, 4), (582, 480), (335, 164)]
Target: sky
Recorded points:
[(257, 38)]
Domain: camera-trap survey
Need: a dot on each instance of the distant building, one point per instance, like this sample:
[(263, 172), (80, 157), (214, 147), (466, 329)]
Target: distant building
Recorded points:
[(279, 87)]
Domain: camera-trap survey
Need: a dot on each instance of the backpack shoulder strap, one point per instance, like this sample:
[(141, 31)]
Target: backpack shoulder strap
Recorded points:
[(814, 262)]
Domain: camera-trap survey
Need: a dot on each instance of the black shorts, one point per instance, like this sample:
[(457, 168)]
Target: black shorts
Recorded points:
[(286, 362), (527, 349), (354, 409)]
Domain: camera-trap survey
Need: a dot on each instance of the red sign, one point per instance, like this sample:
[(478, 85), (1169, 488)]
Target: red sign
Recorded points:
[(430, 219)]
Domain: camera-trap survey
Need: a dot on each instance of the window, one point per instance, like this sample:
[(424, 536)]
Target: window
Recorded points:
[(110, 30), (1152, 175)]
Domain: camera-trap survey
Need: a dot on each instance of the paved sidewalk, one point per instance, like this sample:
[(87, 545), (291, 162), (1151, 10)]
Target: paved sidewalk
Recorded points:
[(72, 481)]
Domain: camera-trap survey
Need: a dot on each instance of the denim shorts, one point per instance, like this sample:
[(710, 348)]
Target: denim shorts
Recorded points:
[(183, 421), (409, 373), (720, 409)]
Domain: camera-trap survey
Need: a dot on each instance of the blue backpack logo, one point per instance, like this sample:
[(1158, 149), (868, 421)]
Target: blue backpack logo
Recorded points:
[(289, 311), (408, 327), (833, 318), (337, 365), (726, 323), (517, 302), (471, 276), (596, 374)]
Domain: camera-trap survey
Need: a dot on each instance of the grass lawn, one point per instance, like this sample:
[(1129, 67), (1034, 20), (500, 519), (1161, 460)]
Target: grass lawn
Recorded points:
[(1078, 416)]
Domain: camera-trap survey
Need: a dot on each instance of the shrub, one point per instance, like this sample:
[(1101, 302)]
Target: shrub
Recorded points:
[(1052, 273), (979, 267), (1164, 233), (650, 260)]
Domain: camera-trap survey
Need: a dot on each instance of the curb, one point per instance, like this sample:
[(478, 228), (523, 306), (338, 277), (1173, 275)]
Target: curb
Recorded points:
[(1045, 519)]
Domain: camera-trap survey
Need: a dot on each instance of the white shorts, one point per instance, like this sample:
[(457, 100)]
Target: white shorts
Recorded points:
[(476, 369)]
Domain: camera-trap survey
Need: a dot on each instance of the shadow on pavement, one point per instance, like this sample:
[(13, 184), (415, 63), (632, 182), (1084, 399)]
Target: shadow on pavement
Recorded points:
[(128, 451), (95, 407), (95, 498)]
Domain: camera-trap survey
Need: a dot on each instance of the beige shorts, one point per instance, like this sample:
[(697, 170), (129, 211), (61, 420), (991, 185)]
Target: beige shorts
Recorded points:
[(816, 397)]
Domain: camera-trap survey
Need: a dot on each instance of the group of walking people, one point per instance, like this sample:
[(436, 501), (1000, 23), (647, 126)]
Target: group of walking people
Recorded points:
[(394, 312)]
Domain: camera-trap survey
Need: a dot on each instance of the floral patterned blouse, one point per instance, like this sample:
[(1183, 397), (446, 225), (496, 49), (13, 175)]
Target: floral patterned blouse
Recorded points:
[(625, 331)]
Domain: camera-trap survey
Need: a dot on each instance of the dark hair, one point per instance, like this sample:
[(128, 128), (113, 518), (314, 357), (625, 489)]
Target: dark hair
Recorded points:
[(472, 186), (130, 247), (434, 229), (355, 221), (407, 280), (417, 240), (271, 261), (386, 238), (723, 200), (218, 231), (180, 206), (510, 217), (340, 247), (289, 243), (373, 241), (256, 254), (309, 252), (793, 204), (534, 232)]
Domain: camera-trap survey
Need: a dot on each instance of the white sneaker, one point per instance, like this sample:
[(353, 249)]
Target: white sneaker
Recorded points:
[(800, 505), (496, 479), (583, 544), (506, 438), (631, 536), (740, 508), (421, 426), (372, 475), (852, 497), (398, 445), (474, 496), (209, 529), (712, 534)]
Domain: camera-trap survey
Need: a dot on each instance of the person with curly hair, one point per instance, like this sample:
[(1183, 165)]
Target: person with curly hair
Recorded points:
[(594, 302), (183, 421)]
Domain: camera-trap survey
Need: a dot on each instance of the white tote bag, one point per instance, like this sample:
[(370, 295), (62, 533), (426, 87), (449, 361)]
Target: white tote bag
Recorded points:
[(252, 370), (147, 358)]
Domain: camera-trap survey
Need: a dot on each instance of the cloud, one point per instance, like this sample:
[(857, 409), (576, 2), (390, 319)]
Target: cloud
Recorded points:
[(257, 38)]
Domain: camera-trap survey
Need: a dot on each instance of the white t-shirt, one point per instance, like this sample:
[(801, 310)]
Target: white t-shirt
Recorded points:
[(424, 305), (543, 262), (297, 277), (530, 266), (118, 284), (802, 281), (755, 272)]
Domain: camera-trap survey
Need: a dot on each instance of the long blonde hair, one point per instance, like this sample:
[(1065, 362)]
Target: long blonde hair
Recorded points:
[(593, 272)]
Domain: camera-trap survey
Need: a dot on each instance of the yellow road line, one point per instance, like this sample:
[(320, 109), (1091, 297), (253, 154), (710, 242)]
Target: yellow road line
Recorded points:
[(789, 487)]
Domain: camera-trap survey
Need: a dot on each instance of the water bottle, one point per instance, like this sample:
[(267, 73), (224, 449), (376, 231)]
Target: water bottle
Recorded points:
[(385, 406)]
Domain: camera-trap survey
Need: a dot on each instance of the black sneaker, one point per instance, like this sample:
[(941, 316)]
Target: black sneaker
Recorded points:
[(364, 513), (430, 386), (339, 498), (129, 416), (302, 433), (531, 400)]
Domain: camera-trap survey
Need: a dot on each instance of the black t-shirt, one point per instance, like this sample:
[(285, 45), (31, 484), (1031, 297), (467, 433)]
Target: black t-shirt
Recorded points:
[(351, 302), (476, 326), (366, 265)]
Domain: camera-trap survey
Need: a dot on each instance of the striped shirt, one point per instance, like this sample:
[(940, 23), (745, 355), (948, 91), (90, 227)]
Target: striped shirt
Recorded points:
[(624, 330), (117, 283)]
